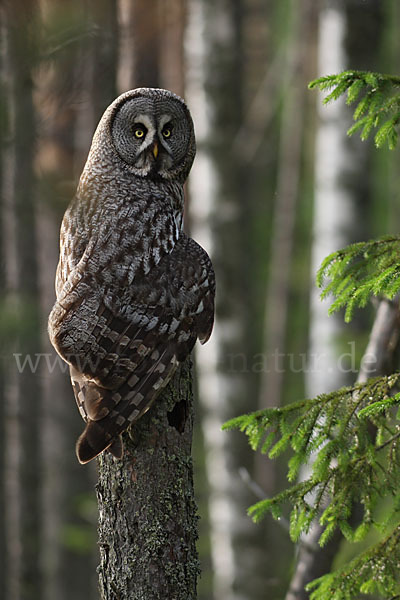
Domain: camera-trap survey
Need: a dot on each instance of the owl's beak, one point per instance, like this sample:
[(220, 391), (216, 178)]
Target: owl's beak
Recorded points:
[(155, 150)]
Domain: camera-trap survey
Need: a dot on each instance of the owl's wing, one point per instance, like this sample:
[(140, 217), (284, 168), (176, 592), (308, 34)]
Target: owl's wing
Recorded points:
[(196, 279), (121, 386), (135, 347)]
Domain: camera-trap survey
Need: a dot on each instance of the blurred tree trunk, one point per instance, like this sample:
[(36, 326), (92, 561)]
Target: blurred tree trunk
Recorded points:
[(388, 175), (152, 52), (279, 283), (145, 21), (75, 84), (103, 54), (224, 218), (21, 19), (201, 191), (3, 330), (97, 72), (148, 518), (341, 201), (213, 191), (172, 63), (141, 41)]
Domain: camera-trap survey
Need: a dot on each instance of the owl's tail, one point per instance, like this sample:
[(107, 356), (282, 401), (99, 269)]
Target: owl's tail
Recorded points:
[(120, 407), (92, 442)]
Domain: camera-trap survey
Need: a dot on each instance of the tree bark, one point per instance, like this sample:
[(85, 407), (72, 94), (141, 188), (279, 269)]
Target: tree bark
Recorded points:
[(341, 188), (148, 514)]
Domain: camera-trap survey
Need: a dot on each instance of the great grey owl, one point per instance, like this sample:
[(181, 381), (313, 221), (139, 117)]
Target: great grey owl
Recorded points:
[(134, 292)]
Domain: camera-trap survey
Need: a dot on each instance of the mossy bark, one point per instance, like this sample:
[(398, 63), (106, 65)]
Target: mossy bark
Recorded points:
[(147, 510)]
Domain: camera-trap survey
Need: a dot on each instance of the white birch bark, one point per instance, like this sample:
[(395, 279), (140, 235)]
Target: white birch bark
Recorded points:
[(333, 205), (202, 193), (336, 165), (228, 519)]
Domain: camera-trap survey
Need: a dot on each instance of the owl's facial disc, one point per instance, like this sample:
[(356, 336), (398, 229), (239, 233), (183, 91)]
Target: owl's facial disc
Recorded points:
[(153, 135)]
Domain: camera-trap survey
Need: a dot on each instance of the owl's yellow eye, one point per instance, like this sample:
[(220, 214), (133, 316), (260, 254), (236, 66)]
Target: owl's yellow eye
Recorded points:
[(166, 132), (139, 131)]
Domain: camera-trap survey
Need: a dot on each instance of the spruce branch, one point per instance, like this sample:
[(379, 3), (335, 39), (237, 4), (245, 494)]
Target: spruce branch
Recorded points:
[(377, 569), (348, 468), (378, 108), (377, 356), (359, 271), (355, 434)]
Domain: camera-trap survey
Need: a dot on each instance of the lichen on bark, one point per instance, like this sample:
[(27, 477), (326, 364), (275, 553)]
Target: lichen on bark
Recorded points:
[(147, 510)]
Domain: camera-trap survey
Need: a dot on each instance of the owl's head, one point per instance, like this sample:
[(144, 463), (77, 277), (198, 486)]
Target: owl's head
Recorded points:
[(151, 131)]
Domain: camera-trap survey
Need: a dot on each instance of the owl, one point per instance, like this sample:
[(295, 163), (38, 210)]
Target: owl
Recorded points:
[(134, 292)]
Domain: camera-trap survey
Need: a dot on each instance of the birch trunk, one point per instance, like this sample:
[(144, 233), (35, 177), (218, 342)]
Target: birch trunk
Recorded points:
[(202, 192), (334, 204), (341, 185), (333, 217), (220, 213)]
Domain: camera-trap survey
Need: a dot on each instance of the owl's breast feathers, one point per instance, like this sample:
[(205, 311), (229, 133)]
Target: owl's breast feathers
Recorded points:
[(132, 299)]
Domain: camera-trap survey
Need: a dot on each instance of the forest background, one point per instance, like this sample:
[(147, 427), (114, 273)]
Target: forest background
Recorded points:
[(276, 186)]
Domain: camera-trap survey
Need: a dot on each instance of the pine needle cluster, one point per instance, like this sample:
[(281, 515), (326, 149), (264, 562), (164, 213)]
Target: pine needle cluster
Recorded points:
[(379, 106)]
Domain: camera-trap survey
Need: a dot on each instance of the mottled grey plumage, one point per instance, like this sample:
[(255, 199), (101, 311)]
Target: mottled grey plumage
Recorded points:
[(133, 291)]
